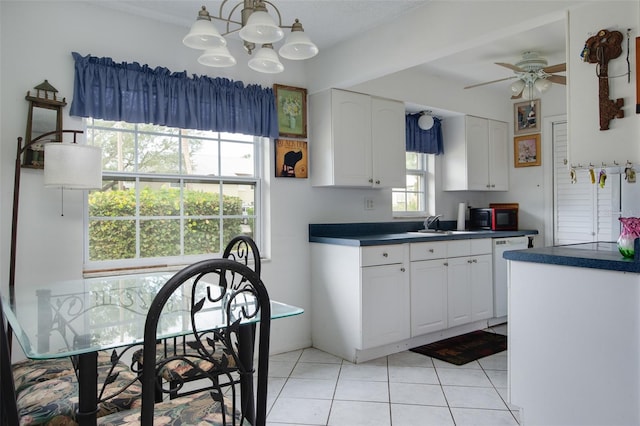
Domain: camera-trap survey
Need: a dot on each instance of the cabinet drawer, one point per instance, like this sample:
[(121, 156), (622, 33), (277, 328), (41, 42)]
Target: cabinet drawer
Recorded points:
[(481, 246), (457, 248), (382, 255), (427, 251)]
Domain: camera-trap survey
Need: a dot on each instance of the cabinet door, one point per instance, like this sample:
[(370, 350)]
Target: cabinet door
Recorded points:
[(428, 296), (477, 139), (459, 291), (481, 287), (498, 156), (388, 143), (385, 305), (351, 118)]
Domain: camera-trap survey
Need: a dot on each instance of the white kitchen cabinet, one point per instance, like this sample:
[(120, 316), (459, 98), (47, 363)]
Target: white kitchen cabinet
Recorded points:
[(356, 140), (451, 284), (428, 296), (360, 297), (385, 305), (371, 301), (476, 154)]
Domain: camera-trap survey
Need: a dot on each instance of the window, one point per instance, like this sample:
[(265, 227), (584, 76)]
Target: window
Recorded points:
[(169, 196), (412, 199)]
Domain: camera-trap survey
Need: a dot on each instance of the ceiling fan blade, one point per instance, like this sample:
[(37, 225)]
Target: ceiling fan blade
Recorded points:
[(558, 79), (510, 66), (555, 68), (490, 82)]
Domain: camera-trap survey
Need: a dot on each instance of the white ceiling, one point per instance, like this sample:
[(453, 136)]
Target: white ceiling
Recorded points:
[(328, 22)]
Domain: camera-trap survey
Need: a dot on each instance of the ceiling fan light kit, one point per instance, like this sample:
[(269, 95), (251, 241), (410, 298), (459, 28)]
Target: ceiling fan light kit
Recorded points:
[(256, 27)]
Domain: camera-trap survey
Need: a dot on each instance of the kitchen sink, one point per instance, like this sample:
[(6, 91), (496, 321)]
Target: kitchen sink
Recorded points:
[(427, 232)]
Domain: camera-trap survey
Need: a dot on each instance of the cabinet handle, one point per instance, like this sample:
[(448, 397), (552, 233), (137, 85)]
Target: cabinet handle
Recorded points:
[(475, 260), (446, 263), (385, 254), (378, 182), (493, 186), (469, 261), (488, 186), (402, 269), (370, 180), (430, 250)]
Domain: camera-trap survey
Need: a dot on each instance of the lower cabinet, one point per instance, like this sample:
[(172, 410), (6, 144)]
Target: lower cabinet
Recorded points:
[(368, 300), (385, 305), (469, 284), (453, 286), (428, 296)]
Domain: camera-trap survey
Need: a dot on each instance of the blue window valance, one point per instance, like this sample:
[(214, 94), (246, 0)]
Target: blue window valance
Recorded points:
[(426, 141), (137, 93)]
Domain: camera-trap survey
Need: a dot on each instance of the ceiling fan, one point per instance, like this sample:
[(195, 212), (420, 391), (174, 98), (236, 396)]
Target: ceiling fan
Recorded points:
[(532, 72)]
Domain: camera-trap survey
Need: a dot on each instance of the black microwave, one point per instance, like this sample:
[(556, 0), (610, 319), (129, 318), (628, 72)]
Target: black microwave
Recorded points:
[(495, 218)]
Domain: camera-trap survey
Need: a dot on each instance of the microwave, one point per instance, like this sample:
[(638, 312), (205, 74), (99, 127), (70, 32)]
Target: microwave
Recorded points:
[(495, 218)]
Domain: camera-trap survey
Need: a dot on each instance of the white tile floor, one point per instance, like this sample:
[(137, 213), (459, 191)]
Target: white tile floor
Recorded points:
[(311, 387)]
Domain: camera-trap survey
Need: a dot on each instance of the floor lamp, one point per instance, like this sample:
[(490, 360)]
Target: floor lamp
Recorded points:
[(67, 166)]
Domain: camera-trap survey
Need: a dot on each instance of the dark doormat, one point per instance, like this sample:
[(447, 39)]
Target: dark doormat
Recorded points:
[(465, 348)]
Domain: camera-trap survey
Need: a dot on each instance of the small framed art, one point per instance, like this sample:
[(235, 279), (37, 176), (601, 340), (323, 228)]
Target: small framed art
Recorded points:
[(291, 105), (526, 150), (526, 117), (291, 158)]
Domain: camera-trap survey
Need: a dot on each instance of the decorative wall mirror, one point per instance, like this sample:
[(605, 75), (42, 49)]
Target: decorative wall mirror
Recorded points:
[(45, 115)]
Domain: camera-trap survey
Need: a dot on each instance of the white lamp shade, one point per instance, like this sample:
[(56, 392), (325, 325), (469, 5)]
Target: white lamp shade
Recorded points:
[(218, 57), (425, 122), (542, 85), (517, 87), (298, 46), (203, 35), (266, 61), (72, 166), (527, 93), (261, 29)]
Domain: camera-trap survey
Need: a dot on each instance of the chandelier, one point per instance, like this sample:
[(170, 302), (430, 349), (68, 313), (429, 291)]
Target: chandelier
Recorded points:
[(258, 31)]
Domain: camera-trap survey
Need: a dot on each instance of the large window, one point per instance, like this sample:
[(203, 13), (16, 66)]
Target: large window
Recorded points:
[(169, 196), (412, 199)]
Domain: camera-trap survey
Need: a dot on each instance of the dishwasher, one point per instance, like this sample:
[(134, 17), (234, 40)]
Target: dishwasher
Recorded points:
[(500, 245)]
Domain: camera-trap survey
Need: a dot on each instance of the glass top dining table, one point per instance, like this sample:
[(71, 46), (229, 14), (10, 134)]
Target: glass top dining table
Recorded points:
[(61, 319), (84, 316)]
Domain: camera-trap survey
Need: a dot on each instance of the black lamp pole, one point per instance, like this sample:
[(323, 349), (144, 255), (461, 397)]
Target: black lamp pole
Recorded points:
[(16, 196)]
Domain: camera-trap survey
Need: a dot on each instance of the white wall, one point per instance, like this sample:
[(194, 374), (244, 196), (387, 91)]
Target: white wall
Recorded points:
[(588, 144)]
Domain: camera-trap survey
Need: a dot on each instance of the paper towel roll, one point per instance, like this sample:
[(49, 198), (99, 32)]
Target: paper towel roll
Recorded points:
[(462, 214)]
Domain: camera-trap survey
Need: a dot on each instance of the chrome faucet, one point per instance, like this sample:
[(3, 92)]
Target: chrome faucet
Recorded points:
[(429, 221)]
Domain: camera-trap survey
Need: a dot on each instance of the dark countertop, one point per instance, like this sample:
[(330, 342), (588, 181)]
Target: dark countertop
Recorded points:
[(381, 233), (599, 255)]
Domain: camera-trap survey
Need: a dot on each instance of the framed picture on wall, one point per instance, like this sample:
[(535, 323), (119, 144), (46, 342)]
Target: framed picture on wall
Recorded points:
[(526, 150), (526, 117), (291, 158), (291, 105)]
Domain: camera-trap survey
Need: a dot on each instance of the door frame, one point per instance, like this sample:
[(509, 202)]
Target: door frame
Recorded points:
[(548, 173)]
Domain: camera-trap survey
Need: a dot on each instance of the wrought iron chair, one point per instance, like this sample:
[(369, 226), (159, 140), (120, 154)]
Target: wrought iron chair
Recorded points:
[(215, 290), (241, 249), (47, 391)]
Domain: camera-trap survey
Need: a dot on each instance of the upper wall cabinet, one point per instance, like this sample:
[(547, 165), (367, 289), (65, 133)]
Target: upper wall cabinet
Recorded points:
[(475, 154), (356, 140)]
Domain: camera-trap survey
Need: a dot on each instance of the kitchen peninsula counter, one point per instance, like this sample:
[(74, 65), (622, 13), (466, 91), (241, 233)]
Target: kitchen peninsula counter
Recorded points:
[(574, 335)]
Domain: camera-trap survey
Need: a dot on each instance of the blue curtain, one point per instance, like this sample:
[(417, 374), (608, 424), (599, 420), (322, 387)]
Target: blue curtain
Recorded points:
[(426, 141), (137, 93)]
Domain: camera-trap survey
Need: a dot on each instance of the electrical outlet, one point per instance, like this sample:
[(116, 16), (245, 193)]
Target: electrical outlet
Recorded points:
[(368, 203)]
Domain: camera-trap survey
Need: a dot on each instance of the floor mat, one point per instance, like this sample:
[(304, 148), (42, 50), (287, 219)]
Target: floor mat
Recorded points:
[(465, 348)]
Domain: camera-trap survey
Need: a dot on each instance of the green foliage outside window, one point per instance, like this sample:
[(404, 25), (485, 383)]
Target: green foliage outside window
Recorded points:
[(159, 231)]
